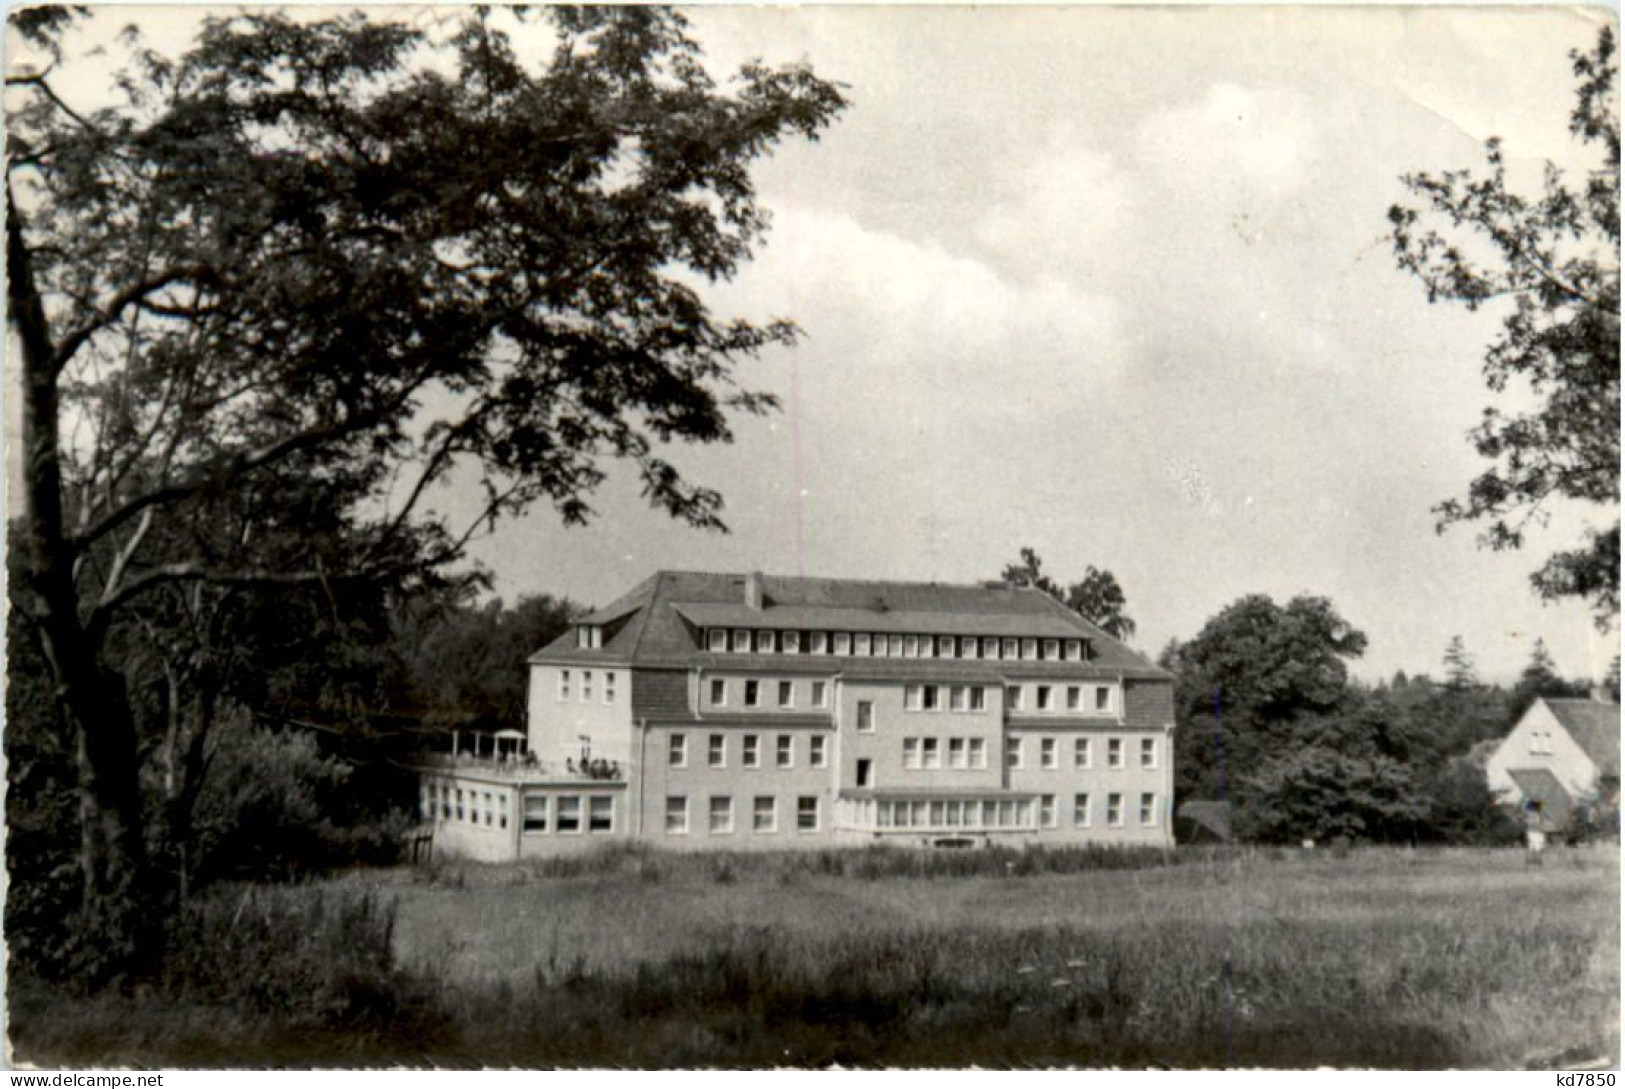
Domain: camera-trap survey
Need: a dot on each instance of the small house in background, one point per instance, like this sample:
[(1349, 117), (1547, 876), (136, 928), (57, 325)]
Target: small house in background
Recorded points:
[(1563, 754)]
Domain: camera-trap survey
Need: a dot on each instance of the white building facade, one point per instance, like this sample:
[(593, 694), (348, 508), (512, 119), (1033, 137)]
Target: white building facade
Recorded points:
[(711, 711)]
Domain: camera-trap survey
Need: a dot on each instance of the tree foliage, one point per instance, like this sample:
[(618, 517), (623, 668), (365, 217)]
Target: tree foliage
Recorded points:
[(1555, 256), (1097, 597), (314, 267)]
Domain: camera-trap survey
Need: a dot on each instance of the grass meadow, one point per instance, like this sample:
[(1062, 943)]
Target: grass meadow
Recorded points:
[(1370, 957)]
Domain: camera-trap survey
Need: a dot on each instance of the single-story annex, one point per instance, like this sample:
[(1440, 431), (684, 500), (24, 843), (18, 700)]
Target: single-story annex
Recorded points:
[(735, 711)]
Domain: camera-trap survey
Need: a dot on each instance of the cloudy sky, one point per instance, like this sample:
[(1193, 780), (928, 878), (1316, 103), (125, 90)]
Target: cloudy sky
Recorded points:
[(1113, 283)]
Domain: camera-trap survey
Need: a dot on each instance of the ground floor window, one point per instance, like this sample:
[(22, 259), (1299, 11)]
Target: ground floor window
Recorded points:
[(722, 814), (1148, 809), (536, 813), (1114, 810), (1046, 810), (677, 814), (1080, 811), (569, 814), (807, 813), (764, 814), (600, 813)]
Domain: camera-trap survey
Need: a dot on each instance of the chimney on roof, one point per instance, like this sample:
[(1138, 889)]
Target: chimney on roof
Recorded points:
[(753, 590)]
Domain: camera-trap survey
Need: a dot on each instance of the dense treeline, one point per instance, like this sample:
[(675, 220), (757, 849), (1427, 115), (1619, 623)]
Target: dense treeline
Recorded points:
[(1271, 722)]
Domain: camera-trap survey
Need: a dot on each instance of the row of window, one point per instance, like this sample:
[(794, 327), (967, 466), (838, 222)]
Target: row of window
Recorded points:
[(585, 687), (964, 753), (878, 645), (1052, 697), (990, 813), (719, 814), (563, 813), (444, 802), (750, 750), (754, 693)]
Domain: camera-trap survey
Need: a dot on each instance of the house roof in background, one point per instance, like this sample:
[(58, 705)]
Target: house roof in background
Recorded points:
[(661, 621), (1594, 725), (1540, 785)]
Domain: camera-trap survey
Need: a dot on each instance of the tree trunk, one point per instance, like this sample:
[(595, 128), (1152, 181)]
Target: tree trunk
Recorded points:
[(117, 929)]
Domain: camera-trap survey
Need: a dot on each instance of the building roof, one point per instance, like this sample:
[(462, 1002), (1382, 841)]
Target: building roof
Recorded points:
[(1594, 725), (1211, 817), (662, 621), (1540, 785)]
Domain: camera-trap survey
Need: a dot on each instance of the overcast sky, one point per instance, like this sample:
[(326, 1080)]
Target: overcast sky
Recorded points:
[(1113, 283)]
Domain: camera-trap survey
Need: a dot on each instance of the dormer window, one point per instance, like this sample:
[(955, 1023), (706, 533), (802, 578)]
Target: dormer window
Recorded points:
[(820, 642), (717, 640), (1052, 649), (1029, 649), (792, 642), (1072, 650), (741, 641), (1011, 648), (765, 642), (843, 643), (589, 636)]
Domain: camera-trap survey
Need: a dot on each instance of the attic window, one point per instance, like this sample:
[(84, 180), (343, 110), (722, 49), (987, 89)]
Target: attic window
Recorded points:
[(590, 636), (718, 640), (1071, 650)]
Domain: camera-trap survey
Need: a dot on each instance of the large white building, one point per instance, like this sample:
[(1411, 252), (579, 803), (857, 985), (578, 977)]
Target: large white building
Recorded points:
[(717, 711)]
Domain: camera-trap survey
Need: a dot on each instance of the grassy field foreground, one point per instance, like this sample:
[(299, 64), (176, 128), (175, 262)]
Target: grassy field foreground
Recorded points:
[(1376, 957)]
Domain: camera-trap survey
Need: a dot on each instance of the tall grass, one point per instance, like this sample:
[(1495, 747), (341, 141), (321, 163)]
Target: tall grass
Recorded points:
[(1382, 958)]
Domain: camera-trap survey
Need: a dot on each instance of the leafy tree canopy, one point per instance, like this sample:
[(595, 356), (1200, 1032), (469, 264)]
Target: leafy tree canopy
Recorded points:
[(1555, 255), (1097, 597)]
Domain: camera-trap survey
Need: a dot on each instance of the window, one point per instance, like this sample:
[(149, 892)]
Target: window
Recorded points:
[(860, 645), (1012, 697), (1012, 752), (753, 693), (1114, 752), (786, 754), (978, 699), (741, 641), (1010, 649), (1052, 649), (609, 688), (459, 803), (958, 698), (894, 644), (600, 813), (1080, 753), (1071, 651), (911, 753), (569, 813), (866, 717), (792, 642), (586, 686), (807, 813), (911, 646), (536, 813), (1148, 752), (490, 810), (764, 814), (1046, 753), (1080, 811), (931, 751), (716, 751), (843, 643), (719, 692), (978, 752), (787, 693), (765, 642), (716, 642), (820, 694), (911, 697), (932, 697), (502, 800), (956, 753), (1148, 809), (721, 814), (1029, 649), (445, 803), (1103, 698), (1074, 697), (1043, 697), (990, 648), (967, 647), (751, 757), (1114, 810), (864, 765), (564, 684), (820, 642), (818, 751), (947, 646), (677, 814), (1046, 811)]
